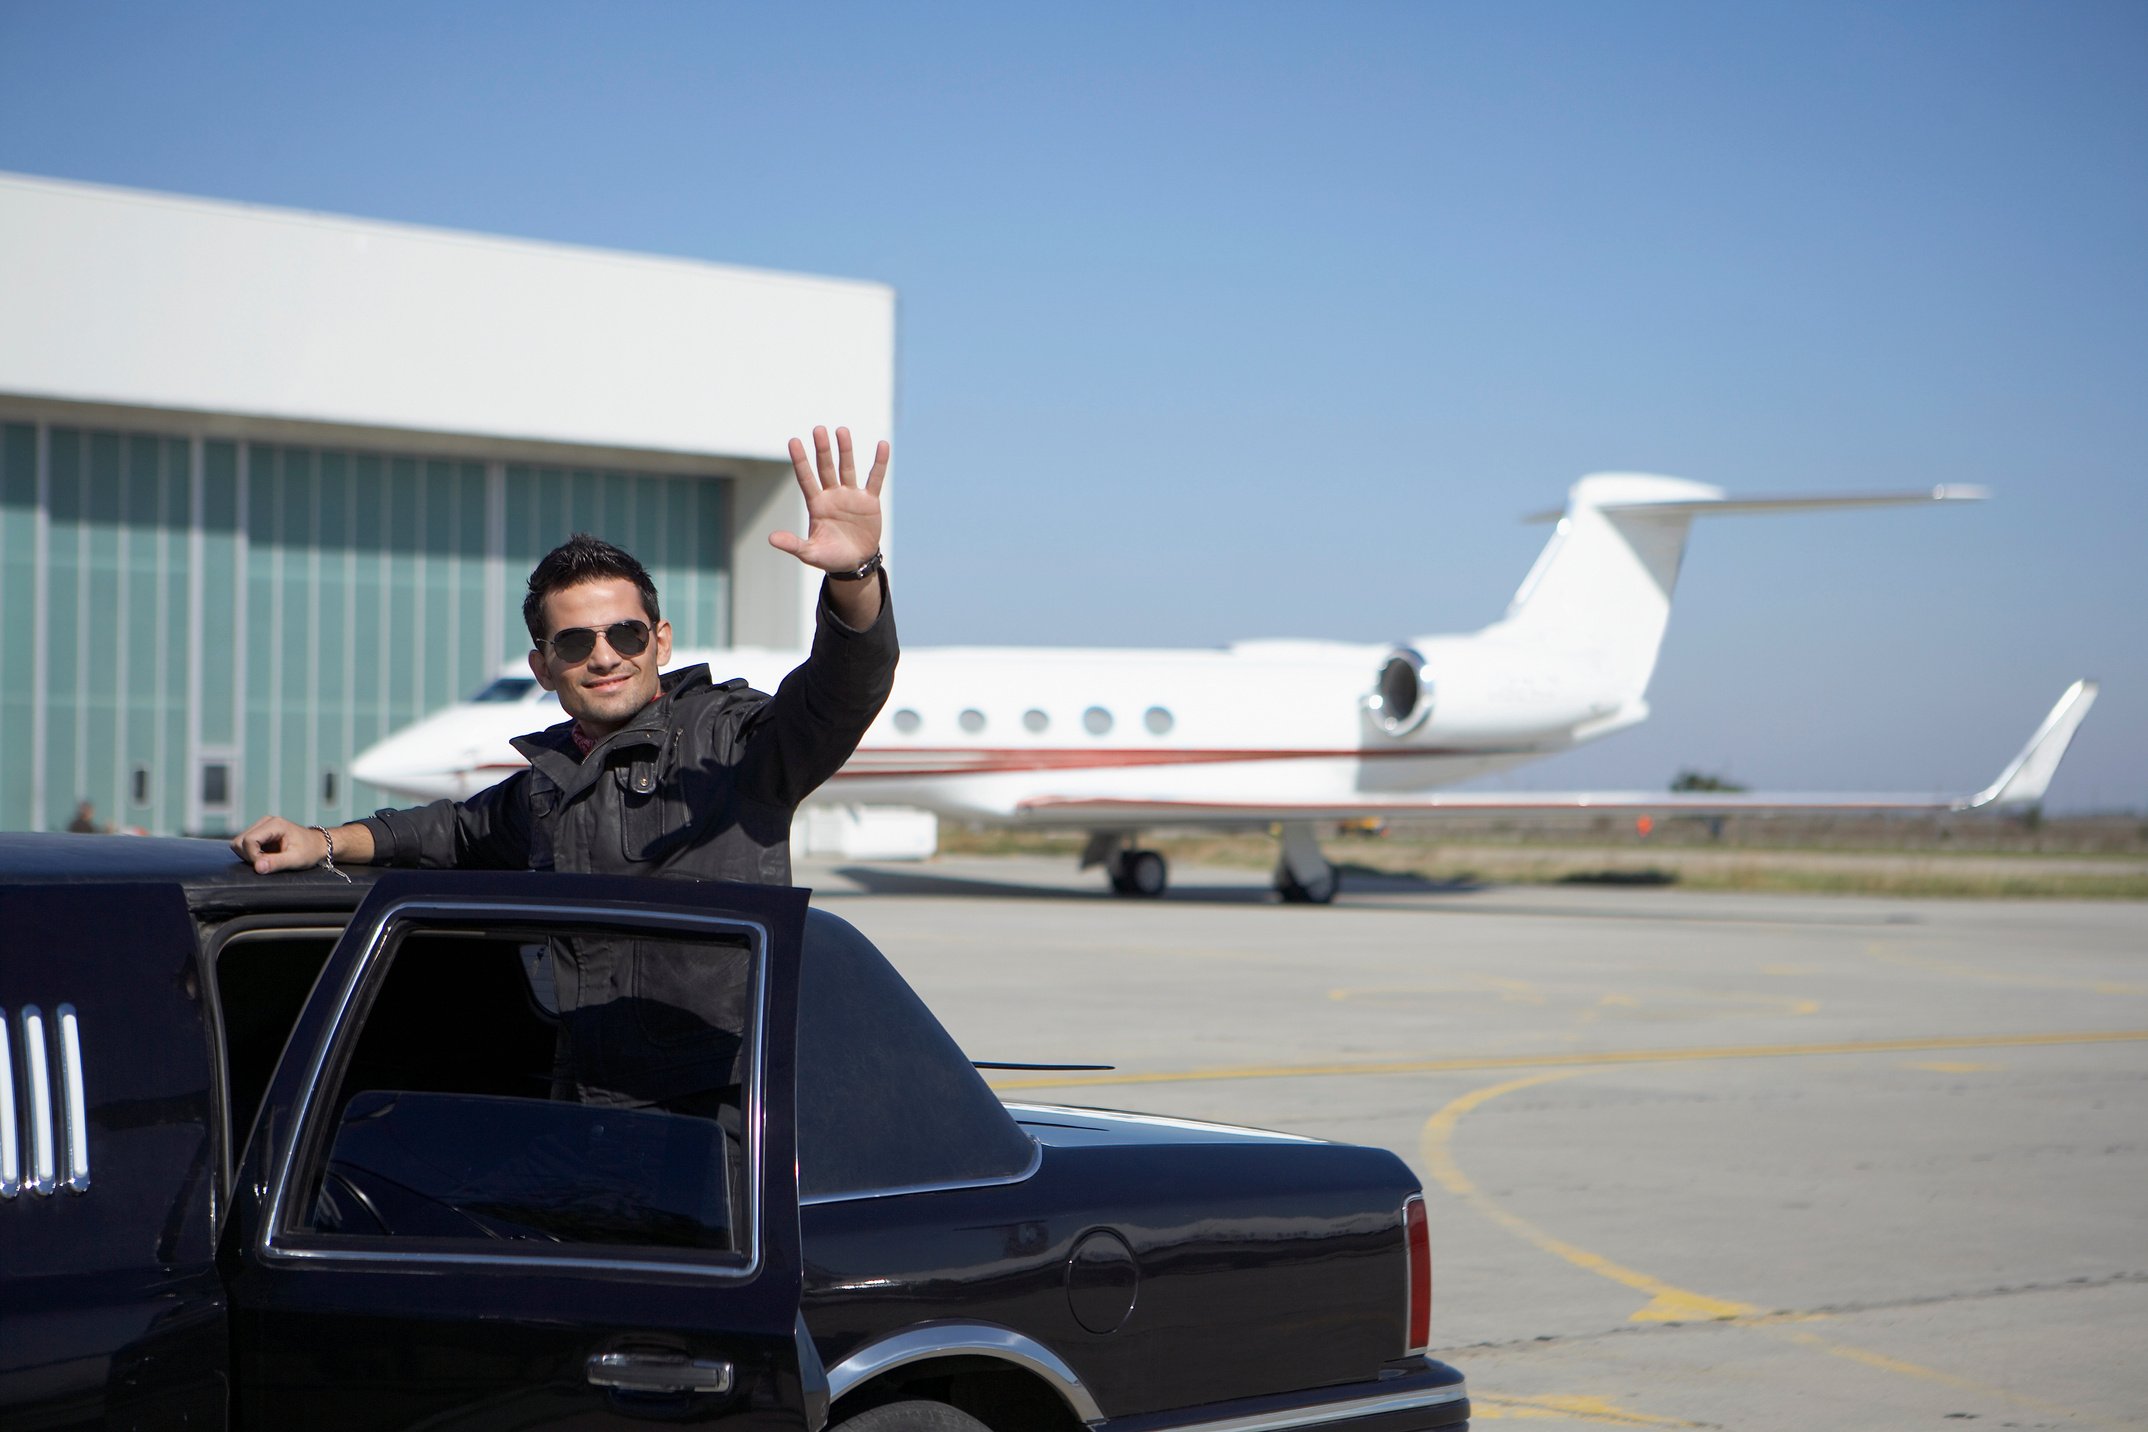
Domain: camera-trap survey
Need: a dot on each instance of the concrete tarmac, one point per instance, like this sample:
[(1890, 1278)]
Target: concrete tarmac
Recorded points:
[(1692, 1160)]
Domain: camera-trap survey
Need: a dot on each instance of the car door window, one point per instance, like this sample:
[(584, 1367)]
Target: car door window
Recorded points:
[(527, 1089)]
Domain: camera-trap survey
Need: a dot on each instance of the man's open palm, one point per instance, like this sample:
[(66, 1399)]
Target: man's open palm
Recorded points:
[(842, 516)]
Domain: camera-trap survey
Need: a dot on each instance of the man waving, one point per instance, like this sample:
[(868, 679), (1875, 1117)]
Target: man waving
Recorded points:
[(656, 774)]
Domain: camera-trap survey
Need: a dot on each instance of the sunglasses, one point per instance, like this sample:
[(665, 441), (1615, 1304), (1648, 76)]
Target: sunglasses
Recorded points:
[(574, 644)]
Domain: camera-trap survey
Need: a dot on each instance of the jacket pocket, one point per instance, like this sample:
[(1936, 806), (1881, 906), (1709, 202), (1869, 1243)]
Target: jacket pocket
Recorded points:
[(649, 816)]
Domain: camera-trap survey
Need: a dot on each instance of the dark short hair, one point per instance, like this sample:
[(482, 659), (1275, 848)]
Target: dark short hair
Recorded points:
[(583, 558)]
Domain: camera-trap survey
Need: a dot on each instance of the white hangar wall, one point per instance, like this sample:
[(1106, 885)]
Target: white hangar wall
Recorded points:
[(270, 480)]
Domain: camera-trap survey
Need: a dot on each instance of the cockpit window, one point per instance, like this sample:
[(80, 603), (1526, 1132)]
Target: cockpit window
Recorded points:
[(506, 688)]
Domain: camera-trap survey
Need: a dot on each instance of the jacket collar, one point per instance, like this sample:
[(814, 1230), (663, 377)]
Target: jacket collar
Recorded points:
[(553, 751)]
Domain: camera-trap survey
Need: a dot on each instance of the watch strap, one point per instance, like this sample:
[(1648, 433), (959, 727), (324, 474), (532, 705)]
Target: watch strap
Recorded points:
[(864, 569)]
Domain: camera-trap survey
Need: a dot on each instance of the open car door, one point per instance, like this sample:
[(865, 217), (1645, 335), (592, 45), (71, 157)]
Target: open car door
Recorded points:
[(528, 1161)]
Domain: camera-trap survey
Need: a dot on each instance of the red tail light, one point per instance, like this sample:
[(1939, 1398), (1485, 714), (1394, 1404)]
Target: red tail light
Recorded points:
[(1418, 1235)]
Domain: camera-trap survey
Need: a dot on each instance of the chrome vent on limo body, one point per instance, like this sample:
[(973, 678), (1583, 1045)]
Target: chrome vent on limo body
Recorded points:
[(44, 1108)]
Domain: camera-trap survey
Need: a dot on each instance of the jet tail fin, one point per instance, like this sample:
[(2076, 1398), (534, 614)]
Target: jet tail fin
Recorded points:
[(1602, 585)]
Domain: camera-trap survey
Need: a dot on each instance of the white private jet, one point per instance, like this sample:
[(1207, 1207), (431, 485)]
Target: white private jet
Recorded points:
[(1272, 733)]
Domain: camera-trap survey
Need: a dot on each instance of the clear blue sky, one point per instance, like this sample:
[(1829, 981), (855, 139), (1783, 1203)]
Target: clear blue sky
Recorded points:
[(1227, 320)]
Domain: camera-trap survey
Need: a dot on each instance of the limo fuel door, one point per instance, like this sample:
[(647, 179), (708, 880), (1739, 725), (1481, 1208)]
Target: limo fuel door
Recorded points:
[(528, 1160)]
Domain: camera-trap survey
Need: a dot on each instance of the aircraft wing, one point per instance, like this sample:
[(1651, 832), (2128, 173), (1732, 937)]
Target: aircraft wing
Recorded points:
[(2022, 782)]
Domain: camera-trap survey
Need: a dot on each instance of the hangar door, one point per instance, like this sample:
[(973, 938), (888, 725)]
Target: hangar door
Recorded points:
[(214, 627)]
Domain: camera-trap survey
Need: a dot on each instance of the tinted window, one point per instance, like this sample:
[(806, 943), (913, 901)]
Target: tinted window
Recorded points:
[(262, 979), (547, 1087), (886, 1100)]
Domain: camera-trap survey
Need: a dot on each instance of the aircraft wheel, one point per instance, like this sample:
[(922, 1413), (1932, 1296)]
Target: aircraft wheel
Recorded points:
[(1139, 873), (1146, 873), (1319, 892)]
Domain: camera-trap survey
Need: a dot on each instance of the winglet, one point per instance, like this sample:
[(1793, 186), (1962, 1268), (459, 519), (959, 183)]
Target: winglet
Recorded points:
[(2024, 781)]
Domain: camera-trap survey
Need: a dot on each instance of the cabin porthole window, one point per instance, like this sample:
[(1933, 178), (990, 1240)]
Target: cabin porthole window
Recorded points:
[(908, 721), (971, 720), (1035, 721), (1096, 720), (1158, 720)]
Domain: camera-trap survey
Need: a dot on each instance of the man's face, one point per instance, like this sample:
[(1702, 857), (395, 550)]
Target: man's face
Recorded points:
[(605, 690)]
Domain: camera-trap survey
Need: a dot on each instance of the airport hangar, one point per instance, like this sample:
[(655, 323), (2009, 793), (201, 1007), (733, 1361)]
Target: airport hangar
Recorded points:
[(271, 481)]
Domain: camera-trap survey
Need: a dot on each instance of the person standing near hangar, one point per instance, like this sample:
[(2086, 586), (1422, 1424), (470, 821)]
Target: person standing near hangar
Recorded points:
[(656, 775)]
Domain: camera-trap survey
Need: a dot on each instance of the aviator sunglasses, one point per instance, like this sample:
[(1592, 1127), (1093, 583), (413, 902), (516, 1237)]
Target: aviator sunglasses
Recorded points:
[(574, 644)]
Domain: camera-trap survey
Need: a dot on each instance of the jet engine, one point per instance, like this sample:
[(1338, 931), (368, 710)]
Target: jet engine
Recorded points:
[(1401, 698)]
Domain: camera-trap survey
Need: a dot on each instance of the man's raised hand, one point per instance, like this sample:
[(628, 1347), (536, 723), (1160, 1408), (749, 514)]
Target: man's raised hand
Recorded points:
[(842, 517)]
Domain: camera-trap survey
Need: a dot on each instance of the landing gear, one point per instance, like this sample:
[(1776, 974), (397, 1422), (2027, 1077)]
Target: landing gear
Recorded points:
[(1320, 892), (1303, 875), (1140, 873)]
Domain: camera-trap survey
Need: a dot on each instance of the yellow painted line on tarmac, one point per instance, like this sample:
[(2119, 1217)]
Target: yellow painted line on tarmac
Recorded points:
[(1565, 1407), (1667, 1303), (1953, 1066), (1599, 1059)]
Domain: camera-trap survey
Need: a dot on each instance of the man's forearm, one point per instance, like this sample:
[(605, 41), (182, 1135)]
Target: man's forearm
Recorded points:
[(354, 844), (856, 604)]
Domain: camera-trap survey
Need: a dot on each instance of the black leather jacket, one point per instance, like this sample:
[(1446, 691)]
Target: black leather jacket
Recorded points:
[(702, 784)]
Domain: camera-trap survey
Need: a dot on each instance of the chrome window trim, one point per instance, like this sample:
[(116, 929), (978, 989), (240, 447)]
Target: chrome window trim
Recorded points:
[(274, 1246), (75, 1106), (930, 1340), (1028, 1171), (42, 1163), (1377, 1405), (10, 1149)]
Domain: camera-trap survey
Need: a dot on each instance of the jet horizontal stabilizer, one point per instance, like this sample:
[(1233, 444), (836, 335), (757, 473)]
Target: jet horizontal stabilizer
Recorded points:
[(1786, 502)]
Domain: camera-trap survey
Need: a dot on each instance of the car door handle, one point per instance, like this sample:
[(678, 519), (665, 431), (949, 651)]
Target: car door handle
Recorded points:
[(659, 1372)]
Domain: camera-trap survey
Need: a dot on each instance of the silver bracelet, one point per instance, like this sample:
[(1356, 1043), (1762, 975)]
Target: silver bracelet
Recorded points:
[(328, 861)]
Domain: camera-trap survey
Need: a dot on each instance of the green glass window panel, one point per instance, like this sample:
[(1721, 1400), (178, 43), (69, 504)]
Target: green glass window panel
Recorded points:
[(369, 642), (174, 524), (679, 585), (585, 508), (103, 605), (64, 626), (439, 615), (712, 527), (616, 503), (406, 636), (473, 658), (518, 500), (299, 600), (18, 619), (648, 539), (142, 673), (259, 752), (552, 522), (220, 593)]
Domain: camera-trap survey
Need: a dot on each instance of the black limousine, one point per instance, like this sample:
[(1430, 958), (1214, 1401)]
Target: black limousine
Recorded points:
[(289, 1152)]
